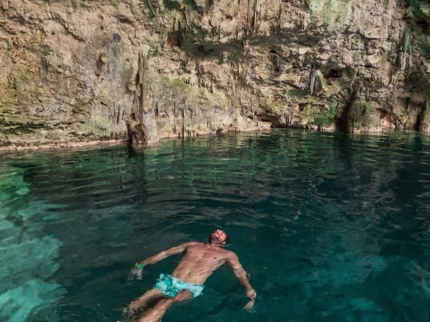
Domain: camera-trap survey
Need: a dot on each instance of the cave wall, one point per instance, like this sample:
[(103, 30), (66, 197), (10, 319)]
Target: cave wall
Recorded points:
[(70, 73)]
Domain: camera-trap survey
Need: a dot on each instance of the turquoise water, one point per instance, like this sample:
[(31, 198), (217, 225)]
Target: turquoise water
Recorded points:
[(331, 227)]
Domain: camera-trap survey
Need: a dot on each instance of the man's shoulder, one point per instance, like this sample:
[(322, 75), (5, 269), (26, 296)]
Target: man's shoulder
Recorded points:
[(228, 254), (193, 243)]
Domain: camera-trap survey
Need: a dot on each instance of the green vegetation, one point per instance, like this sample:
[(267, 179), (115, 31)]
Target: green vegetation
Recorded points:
[(215, 97), (151, 11), (180, 84), (98, 125), (355, 115), (24, 128), (193, 5), (165, 79), (202, 93), (315, 5), (421, 40), (420, 8), (36, 37), (171, 5), (362, 113), (276, 106), (332, 12), (420, 32), (368, 108), (76, 4), (371, 118), (297, 93), (325, 118)]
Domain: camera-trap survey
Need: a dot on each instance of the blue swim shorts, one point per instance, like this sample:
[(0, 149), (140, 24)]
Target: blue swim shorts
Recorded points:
[(171, 286)]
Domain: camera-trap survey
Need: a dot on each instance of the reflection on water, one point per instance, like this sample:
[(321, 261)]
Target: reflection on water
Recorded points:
[(331, 227)]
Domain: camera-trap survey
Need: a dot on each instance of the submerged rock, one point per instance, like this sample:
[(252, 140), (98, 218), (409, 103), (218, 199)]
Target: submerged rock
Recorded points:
[(27, 299), (27, 259)]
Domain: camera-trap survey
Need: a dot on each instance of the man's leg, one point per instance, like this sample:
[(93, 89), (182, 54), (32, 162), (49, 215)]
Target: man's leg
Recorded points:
[(155, 314), (145, 299)]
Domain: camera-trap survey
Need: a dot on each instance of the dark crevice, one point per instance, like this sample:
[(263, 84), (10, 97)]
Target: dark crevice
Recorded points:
[(419, 125)]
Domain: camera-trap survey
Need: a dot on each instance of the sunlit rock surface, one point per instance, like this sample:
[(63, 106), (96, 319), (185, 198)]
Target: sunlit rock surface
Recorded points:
[(70, 70)]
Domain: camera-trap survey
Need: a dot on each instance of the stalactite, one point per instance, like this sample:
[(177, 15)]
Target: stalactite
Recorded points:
[(142, 83), (304, 21), (137, 130), (409, 61), (118, 115), (255, 12), (406, 40), (352, 118), (256, 17), (152, 12), (403, 55), (425, 126), (278, 20), (183, 120), (252, 111), (312, 79), (347, 119), (248, 23)]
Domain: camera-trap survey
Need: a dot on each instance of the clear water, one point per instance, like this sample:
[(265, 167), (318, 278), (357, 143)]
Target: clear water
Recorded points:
[(331, 227)]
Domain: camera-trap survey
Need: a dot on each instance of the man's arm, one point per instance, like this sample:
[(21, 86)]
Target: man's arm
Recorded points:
[(240, 273), (166, 253)]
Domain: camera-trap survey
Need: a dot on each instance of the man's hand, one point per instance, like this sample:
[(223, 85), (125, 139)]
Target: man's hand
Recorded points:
[(136, 272), (249, 305), (252, 296)]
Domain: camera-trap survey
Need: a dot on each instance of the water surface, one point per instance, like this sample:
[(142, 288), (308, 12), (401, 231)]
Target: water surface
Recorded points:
[(331, 227)]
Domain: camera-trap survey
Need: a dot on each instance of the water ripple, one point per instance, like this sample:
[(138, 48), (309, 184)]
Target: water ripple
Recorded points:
[(335, 225)]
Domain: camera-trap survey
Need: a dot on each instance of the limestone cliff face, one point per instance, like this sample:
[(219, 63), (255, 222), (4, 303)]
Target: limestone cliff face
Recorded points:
[(80, 70)]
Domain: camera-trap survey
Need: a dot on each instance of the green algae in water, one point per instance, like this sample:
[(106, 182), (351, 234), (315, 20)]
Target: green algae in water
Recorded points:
[(331, 227)]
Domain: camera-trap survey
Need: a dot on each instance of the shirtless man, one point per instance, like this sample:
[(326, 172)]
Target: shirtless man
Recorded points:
[(187, 280)]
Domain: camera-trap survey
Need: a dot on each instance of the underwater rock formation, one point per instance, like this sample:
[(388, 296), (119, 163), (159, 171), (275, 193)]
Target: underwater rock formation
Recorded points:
[(28, 257), (70, 70)]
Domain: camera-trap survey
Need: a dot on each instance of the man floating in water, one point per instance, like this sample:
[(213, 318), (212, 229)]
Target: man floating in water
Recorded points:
[(187, 280)]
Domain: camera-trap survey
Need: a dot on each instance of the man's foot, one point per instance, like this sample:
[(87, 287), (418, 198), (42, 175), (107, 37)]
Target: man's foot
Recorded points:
[(132, 314), (151, 316), (135, 305)]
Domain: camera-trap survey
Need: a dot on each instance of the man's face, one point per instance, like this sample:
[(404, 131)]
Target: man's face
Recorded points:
[(220, 235)]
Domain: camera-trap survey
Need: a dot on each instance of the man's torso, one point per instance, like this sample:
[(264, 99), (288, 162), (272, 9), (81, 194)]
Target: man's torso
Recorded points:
[(199, 262)]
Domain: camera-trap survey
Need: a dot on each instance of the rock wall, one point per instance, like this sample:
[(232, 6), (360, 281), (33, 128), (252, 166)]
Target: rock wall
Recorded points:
[(70, 70)]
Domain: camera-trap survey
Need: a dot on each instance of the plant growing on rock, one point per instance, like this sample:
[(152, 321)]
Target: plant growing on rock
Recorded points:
[(325, 118)]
